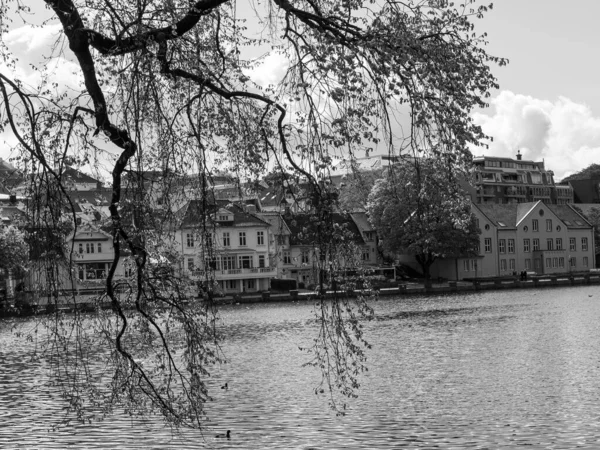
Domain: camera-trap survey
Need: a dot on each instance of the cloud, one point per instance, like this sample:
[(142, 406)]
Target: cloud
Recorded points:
[(563, 133), (270, 71)]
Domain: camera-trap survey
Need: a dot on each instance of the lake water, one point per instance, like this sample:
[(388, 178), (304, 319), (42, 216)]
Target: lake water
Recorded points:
[(482, 370)]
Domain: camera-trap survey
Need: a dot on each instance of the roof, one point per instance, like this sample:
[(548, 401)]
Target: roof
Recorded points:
[(301, 227), (78, 176), (362, 221), (502, 216), (194, 211), (569, 216), (95, 197)]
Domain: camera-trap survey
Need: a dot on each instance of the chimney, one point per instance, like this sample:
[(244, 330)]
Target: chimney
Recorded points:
[(518, 155)]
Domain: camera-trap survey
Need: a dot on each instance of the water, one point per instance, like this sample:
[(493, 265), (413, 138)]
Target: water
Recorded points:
[(483, 370)]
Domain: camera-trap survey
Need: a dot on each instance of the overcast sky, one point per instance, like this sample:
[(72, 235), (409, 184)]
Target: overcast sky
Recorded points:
[(548, 104)]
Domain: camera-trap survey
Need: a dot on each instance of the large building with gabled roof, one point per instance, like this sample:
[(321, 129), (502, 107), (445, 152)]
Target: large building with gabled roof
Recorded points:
[(223, 243), (535, 237)]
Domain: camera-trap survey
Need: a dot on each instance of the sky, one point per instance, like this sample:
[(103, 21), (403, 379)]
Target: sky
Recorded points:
[(548, 103)]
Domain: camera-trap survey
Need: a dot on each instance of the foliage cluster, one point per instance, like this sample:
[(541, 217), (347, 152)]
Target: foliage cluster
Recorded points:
[(168, 87)]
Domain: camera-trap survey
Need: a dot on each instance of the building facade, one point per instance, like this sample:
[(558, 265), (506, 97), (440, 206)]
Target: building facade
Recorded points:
[(232, 246), (506, 181)]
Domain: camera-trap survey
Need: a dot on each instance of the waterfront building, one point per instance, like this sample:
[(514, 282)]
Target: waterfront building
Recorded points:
[(78, 264), (223, 243), (537, 237)]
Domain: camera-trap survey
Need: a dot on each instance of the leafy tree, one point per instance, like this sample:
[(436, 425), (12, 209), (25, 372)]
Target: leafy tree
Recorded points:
[(419, 209), (14, 252), (170, 86), (355, 189)]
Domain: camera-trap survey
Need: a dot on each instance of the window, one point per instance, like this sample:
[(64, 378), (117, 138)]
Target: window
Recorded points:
[(286, 258), (554, 262), (537, 263), (261, 260), (585, 261), (511, 264), (80, 248), (526, 245), (228, 262), (189, 240), (260, 237), (365, 256), (584, 244), (534, 225), (561, 263), (487, 243), (208, 238), (99, 247), (230, 284), (559, 244), (466, 265), (369, 235), (242, 236), (573, 262), (536, 245), (548, 263), (92, 271), (502, 245), (190, 264), (306, 256), (527, 264), (250, 284), (222, 218), (549, 244), (511, 246), (474, 265), (548, 224), (281, 240), (572, 245), (245, 262), (226, 239), (503, 265), (89, 247)]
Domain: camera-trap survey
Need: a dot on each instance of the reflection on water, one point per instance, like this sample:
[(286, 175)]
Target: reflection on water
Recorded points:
[(483, 370)]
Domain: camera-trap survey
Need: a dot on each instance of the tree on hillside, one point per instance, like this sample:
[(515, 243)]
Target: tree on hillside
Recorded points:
[(592, 172), (172, 86), (420, 210)]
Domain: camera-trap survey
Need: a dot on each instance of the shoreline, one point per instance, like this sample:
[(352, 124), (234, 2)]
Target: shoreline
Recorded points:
[(416, 289), (408, 289)]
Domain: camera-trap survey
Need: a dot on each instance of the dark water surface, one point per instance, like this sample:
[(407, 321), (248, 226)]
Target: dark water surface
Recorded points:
[(483, 370)]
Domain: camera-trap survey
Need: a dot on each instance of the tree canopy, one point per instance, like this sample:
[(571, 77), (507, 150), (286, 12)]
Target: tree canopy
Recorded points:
[(592, 172), (172, 86), (420, 210)]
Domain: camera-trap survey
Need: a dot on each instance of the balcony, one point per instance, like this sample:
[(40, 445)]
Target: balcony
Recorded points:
[(254, 272)]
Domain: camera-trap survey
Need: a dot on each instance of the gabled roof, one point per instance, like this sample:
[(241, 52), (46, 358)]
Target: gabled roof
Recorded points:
[(502, 216), (571, 218), (362, 221), (302, 228), (193, 212)]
